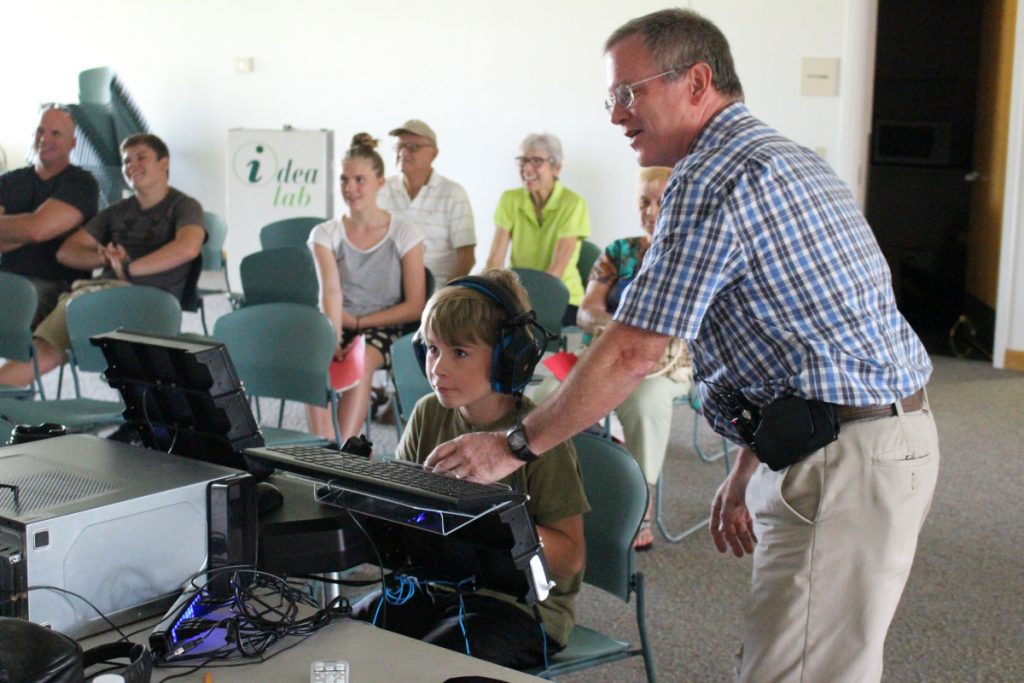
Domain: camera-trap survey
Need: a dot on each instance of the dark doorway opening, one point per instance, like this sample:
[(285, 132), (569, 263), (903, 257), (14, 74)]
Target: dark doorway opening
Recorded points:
[(921, 167)]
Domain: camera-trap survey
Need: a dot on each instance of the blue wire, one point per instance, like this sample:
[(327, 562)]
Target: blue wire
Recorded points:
[(462, 605), (406, 589), (544, 637), (462, 623)]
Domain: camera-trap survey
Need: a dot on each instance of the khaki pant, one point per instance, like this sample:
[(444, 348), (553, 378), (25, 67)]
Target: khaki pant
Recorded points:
[(54, 327), (837, 534), (646, 417)]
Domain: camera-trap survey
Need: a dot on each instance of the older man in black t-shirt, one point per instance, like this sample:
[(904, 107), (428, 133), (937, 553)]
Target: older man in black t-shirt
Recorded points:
[(40, 204), (151, 238)]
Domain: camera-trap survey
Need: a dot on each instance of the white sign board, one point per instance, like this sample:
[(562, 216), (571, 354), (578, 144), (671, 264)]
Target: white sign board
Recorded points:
[(275, 174)]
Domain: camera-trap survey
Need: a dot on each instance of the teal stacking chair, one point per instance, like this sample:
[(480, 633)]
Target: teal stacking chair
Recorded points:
[(214, 261), (408, 329), (138, 308), (549, 297), (408, 379), (283, 351), (617, 492), (280, 275), (18, 301), (589, 253), (288, 232)]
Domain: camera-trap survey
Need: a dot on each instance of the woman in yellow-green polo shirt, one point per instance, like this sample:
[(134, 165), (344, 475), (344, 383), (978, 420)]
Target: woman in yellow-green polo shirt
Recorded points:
[(543, 220)]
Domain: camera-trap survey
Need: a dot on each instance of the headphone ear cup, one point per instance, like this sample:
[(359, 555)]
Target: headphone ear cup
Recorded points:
[(419, 349), (140, 660), (515, 359)]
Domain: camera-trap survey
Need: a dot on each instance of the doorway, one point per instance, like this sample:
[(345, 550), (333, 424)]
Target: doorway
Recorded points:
[(922, 161)]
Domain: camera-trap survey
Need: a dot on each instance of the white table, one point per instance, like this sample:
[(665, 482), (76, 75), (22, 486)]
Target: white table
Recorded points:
[(374, 656)]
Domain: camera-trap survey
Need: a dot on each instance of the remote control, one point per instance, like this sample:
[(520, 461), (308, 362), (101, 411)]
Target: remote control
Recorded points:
[(328, 671)]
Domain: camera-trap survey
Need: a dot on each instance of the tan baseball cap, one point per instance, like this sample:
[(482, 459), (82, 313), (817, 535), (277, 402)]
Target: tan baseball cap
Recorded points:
[(415, 127)]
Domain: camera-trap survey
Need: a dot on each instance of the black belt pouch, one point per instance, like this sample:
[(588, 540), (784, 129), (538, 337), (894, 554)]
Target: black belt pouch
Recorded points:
[(792, 428)]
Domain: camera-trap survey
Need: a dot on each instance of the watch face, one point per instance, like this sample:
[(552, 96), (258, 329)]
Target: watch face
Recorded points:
[(516, 439)]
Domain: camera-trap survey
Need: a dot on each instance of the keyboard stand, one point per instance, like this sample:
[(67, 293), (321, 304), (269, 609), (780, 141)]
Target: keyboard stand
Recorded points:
[(501, 550), (443, 522)]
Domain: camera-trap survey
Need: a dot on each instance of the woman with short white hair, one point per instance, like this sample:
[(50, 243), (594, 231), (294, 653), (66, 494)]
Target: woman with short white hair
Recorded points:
[(543, 221)]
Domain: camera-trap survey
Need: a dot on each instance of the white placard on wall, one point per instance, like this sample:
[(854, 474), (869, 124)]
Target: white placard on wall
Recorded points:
[(275, 174)]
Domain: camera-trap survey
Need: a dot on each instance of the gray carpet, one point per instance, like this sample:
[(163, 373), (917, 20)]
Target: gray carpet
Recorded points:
[(961, 614)]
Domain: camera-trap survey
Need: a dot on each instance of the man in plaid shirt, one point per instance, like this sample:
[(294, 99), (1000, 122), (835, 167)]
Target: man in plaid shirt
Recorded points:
[(762, 261)]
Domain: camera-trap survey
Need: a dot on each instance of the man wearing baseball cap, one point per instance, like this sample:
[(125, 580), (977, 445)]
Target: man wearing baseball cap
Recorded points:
[(439, 206)]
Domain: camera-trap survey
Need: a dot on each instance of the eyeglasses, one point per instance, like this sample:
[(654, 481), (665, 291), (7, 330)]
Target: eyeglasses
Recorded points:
[(536, 162), (624, 94), (46, 106), (411, 147)]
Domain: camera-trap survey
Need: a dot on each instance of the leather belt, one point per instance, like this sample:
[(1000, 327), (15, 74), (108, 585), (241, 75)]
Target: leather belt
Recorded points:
[(911, 404)]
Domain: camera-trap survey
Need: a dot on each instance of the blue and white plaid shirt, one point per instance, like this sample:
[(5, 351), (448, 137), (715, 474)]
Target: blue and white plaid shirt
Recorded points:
[(762, 261)]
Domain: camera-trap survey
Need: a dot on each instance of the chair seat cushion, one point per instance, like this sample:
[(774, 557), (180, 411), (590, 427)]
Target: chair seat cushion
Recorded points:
[(7, 391), (73, 413), (585, 645)]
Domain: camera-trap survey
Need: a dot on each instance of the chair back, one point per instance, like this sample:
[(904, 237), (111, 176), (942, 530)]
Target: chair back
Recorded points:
[(190, 294), (18, 302), (213, 248), (281, 275), (280, 350), (548, 296), (617, 491), (138, 308), (429, 285), (288, 232), (410, 382), (589, 253)]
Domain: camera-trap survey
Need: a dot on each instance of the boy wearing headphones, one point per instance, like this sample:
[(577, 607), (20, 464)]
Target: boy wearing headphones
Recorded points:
[(478, 350)]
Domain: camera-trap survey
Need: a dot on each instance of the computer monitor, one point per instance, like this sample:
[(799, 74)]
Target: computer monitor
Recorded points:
[(182, 394)]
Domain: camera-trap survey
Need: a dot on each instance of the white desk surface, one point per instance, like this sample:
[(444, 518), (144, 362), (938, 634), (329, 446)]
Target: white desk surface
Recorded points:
[(374, 656)]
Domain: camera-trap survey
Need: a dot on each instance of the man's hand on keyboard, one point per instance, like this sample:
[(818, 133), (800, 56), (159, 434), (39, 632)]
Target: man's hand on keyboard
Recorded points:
[(483, 457)]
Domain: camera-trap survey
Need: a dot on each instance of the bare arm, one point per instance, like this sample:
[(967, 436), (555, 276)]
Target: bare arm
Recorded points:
[(414, 285), (51, 219), (499, 248), (330, 287), (186, 245), (564, 547), (593, 312), (616, 363), (465, 259), (6, 246), (731, 524), (563, 252), (81, 251)]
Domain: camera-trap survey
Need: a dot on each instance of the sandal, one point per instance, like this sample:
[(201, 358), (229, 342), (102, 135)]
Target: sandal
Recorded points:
[(644, 540)]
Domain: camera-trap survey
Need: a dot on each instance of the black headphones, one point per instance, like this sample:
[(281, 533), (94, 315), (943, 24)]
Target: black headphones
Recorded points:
[(34, 654), (518, 350), (140, 660)]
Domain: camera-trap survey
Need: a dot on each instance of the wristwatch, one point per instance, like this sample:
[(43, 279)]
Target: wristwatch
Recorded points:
[(516, 438)]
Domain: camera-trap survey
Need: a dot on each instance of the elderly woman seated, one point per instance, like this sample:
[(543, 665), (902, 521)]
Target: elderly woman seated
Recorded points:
[(543, 221), (646, 414)]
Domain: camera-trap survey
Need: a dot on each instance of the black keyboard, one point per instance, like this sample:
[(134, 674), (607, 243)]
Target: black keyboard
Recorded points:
[(397, 480)]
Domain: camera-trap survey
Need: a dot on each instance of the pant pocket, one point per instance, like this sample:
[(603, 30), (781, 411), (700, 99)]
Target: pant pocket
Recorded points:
[(801, 487)]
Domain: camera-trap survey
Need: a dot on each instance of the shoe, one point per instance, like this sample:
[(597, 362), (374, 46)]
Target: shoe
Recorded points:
[(644, 540)]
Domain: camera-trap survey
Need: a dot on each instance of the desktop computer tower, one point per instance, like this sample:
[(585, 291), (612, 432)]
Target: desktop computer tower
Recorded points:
[(122, 527)]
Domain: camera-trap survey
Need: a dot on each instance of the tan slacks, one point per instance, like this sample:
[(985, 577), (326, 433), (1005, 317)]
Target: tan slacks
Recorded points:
[(837, 533)]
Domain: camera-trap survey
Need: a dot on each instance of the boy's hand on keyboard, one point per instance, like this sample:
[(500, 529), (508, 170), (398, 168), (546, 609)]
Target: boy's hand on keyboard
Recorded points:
[(482, 457)]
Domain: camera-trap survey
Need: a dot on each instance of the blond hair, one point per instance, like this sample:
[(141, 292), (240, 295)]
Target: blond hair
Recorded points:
[(653, 174), (459, 315), (364, 147)]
